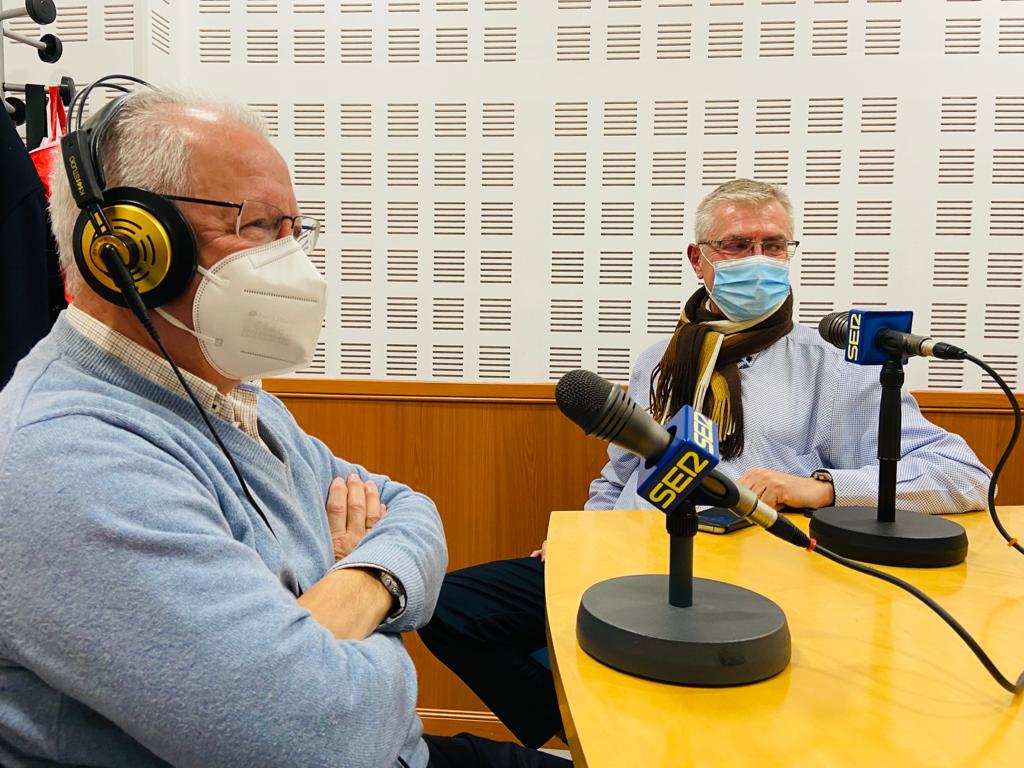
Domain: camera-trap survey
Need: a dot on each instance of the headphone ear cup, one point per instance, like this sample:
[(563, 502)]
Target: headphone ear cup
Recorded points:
[(153, 239)]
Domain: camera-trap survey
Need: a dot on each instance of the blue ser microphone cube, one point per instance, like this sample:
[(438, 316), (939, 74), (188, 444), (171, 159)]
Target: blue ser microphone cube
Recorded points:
[(677, 473), (862, 328)]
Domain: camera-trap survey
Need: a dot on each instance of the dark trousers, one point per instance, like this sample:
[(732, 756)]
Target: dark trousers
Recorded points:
[(488, 624), (468, 751)]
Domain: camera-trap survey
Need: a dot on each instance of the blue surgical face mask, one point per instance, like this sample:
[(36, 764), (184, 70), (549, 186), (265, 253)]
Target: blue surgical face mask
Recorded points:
[(747, 288)]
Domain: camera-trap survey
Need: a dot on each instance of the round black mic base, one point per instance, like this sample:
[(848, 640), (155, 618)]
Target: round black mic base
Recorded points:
[(729, 636), (914, 540)]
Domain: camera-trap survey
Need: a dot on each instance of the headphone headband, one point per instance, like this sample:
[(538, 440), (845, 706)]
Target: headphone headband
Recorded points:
[(104, 118), (80, 148)]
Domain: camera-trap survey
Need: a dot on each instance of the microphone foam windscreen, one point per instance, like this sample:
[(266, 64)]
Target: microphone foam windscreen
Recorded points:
[(834, 328), (582, 395)]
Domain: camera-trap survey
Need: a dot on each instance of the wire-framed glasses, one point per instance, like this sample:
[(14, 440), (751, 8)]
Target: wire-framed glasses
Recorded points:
[(260, 223), (774, 247)]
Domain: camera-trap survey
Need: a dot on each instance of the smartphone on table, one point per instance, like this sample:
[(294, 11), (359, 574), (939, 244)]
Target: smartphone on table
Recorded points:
[(720, 520)]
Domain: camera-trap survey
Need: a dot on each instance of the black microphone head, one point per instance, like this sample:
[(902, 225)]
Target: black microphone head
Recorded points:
[(834, 328), (604, 410), (582, 395)]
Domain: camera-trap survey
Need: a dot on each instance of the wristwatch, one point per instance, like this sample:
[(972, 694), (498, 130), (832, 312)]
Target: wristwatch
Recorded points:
[(824, 476), (397, 593)]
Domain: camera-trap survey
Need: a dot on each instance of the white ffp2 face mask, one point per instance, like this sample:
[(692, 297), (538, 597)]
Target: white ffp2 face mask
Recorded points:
[(258, 312)]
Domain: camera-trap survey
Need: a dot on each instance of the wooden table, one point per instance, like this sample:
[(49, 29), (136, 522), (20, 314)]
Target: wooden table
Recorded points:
[(876, 678)]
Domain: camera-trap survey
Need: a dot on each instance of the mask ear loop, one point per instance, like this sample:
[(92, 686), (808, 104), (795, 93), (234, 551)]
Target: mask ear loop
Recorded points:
[(182, 327), (214, 278), (700, 250), (217, 280)]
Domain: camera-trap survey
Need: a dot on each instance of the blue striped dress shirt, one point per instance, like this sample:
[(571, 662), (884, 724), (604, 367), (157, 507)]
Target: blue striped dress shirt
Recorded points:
[(805, 408)]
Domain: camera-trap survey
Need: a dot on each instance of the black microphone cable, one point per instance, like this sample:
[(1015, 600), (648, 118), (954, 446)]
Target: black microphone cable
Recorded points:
[(797, 537), (1014, 688), (1010, 540), (1018, 686)]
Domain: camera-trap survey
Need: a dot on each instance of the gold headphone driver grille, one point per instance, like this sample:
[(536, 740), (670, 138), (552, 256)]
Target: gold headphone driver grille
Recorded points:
[(147, 254)]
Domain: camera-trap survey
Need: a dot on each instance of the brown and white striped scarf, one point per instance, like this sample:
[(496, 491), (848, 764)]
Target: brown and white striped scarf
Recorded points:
[(699, 365)]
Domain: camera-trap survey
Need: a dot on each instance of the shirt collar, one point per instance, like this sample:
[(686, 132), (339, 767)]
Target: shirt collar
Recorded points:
[(238, 407)]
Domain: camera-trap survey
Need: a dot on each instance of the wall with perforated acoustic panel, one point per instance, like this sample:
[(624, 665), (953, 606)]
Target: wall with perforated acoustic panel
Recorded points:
[(498, 458), (508, 186)]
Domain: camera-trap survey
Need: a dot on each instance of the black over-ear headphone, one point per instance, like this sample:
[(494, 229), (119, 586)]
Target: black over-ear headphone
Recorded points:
[(130, 244)]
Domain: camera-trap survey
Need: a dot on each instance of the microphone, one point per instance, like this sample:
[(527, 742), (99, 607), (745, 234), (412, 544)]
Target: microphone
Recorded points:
[(707, 632), (872, 337), (679, 459), (884, 534)]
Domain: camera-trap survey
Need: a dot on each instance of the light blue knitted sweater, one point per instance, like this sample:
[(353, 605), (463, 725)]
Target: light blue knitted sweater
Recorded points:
[(147, 616)]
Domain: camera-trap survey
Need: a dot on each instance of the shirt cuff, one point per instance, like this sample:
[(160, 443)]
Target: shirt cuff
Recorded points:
[(854, 487)]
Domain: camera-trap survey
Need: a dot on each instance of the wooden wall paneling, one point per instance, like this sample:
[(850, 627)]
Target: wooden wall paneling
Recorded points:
[(497, 458)]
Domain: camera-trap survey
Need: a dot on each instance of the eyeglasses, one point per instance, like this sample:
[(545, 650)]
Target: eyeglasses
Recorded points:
[(774, 247), (260, 223)]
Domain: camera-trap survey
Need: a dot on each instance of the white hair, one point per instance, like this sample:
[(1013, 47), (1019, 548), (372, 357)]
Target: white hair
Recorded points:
[(146, 146), (739, 191)]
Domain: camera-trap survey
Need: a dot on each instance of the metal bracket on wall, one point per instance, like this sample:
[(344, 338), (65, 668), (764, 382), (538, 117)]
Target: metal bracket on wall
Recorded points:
[(49, 48)]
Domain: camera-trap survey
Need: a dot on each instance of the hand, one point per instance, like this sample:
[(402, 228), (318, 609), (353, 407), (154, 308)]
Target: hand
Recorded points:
[(777, 489), (542, 553), (353, 508)]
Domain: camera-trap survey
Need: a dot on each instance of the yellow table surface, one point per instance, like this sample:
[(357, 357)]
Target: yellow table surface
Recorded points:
[(876, 678)]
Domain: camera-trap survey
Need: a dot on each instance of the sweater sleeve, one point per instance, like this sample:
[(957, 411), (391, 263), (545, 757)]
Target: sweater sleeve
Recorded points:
[(125, 589)]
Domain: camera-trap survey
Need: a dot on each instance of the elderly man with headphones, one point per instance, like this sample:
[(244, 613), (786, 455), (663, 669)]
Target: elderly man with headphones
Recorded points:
[(189, 578)]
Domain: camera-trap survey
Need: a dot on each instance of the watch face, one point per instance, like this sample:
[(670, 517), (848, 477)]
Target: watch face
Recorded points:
[(397, 595), (387, 581)]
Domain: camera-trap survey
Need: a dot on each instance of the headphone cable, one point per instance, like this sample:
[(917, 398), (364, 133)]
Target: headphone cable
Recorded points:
[(138, 308), (106, 82), (117, 269)]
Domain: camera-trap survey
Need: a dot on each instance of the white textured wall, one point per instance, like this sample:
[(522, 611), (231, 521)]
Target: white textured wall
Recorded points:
[(508, 186)]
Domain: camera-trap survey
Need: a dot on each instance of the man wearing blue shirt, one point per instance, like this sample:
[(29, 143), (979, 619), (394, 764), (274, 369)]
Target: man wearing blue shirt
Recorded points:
[(798, 425)]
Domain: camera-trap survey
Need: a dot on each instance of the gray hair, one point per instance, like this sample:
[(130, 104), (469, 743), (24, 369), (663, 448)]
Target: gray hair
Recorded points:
[(739, 191), (146, 146)]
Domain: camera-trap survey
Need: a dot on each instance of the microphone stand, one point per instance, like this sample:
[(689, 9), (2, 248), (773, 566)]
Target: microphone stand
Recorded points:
[(886, 535), (678, 629)]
